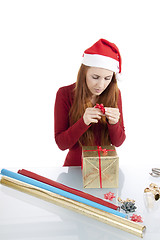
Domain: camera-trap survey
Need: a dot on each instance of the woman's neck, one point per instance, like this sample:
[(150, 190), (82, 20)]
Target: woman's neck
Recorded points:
[(94, 99)]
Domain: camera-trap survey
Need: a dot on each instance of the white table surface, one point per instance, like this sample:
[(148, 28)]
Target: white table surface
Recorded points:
[(28, 218)]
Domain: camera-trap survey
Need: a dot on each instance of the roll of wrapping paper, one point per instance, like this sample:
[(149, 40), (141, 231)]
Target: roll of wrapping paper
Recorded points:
[(59, 191), (66, 188), (105, 217)]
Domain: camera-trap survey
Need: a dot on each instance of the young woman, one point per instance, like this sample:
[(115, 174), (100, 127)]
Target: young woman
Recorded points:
[(77, 121)]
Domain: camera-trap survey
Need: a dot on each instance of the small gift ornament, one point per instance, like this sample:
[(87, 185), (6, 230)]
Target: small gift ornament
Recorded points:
[(100, 167), (128, 207), (109, 196), (136, 218)]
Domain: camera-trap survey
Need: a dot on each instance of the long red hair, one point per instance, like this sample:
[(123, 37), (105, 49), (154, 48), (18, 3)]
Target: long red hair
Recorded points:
[(82, 96)]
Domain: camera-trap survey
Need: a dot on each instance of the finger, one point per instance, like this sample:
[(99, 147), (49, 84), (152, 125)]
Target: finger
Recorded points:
[(97, 117), (94, 120), (114, 115), (96, 114), (111, 110), (112, 120), (96, 110)]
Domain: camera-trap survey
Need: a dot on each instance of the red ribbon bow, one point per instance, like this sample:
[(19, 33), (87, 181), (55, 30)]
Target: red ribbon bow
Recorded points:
[(104, 150), (109, 196), (136, 218), (101, 107)]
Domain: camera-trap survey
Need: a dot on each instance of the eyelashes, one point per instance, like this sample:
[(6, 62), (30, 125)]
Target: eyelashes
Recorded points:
[(106, 78)]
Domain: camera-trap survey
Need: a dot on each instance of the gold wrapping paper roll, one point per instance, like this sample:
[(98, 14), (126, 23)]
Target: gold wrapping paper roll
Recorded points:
[(108, 218)]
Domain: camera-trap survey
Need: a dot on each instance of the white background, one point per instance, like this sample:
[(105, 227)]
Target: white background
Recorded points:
[(41, 44)]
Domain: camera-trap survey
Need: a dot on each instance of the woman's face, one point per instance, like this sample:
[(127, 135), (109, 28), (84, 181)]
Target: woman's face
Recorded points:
[(98, 79)]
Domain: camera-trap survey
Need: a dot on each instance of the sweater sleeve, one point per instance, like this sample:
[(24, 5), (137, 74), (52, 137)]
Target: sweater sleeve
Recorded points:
[(66, 136), (117, 131)]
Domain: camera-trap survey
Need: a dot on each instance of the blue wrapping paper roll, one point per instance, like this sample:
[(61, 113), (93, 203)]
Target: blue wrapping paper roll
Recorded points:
[(61, 192)]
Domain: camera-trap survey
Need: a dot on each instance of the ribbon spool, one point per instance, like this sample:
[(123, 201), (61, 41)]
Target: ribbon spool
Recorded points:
[(155, 172), (151, 194)]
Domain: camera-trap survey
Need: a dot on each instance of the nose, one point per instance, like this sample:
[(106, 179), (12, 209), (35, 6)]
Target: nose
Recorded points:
[(100, 83)]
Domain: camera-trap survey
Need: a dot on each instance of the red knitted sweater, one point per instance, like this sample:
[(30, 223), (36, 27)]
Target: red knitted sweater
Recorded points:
[(67, 136)]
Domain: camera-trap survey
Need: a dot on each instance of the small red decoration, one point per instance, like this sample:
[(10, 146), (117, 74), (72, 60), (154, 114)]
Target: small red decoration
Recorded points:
[(104, 150), (109, 196), (101, 107), (136, 218)]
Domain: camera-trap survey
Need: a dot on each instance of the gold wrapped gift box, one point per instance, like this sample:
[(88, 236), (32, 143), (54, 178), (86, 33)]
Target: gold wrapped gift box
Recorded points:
[(100, 167)]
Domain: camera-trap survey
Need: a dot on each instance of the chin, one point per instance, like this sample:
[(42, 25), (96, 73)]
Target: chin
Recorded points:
[(97, 94)]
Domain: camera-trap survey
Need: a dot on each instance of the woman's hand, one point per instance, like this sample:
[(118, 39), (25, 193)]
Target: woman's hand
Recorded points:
[(92, 115), (112, 115)]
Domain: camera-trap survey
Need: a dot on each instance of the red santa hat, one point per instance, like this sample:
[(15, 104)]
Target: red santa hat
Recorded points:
[(103, 54)]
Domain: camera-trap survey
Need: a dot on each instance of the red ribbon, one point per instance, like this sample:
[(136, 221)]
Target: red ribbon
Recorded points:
[(100, 174), (105, 151), (101, 107)]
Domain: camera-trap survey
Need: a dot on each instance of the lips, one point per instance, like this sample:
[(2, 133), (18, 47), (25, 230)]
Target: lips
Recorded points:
[(98, 90)]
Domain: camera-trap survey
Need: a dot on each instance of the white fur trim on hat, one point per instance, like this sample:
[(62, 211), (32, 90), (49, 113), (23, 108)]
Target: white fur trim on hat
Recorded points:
[(95, 60)]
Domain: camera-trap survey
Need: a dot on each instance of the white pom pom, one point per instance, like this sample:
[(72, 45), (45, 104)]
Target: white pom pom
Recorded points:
[(119, 76)]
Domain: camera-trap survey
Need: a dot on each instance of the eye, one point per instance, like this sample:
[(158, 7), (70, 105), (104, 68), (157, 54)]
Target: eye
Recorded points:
[(95, 77), (108, 78)]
